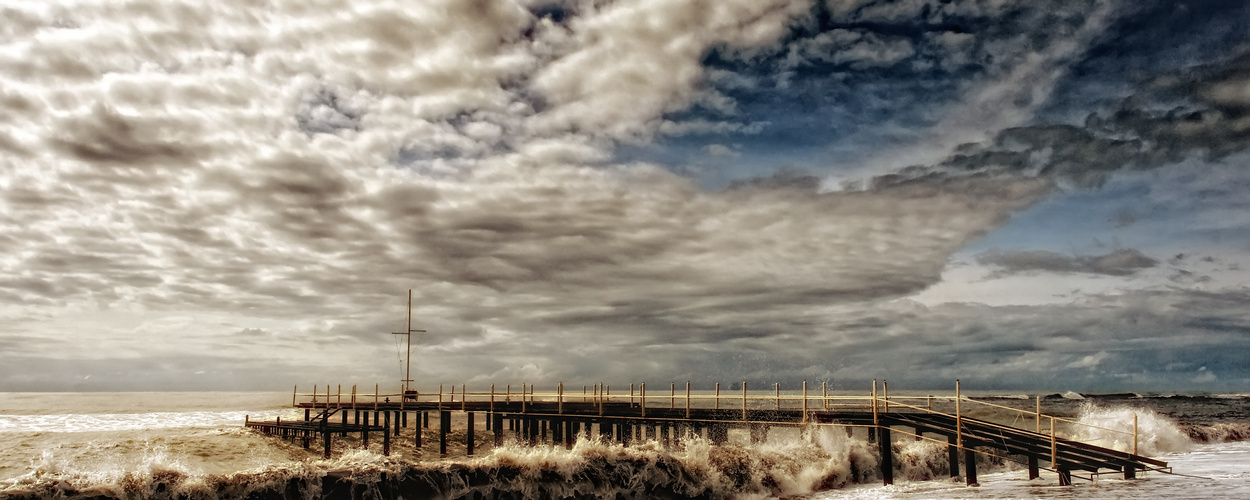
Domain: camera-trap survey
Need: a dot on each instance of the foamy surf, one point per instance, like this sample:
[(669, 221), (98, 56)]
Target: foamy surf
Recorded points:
[(195, 460)]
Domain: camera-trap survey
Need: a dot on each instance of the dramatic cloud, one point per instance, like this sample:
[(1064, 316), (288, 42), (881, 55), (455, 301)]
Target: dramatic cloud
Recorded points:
[(589, 189)]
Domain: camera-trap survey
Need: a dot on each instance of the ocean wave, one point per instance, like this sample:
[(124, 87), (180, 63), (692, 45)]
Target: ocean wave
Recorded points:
[(1218, 433), (816, 459)]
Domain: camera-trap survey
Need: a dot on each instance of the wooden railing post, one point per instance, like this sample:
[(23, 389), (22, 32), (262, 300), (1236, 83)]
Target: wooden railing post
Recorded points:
[(805, 401), (314, 394), (959, 419), (824, 395), (885, 401), (294, 391), (1039, 415), (777, 398), (492, 399), (672, 397), (560, 398), (642, 398), (464, 396), (1054, 445), (875, 420), (744, 400), (718, 395), (687, 399), (1134, 432)]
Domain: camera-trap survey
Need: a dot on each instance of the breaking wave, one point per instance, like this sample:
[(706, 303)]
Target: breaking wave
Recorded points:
[(1112, 427), (818, 458)]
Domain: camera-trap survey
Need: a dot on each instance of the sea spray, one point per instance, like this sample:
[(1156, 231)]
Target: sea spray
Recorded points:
[(1112, 427)]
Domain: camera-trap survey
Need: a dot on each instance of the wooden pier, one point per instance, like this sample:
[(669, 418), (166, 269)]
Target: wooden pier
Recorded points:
[(559, 418)]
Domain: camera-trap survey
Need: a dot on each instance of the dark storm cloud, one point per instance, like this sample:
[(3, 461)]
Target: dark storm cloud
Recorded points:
[(1117, 263), (1207, 116)]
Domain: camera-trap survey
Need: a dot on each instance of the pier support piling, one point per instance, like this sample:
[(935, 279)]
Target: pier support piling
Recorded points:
[(970, 464), (444, 426), (325, 432), (386, 435), (468, 437), (887, 456), (952, 455), (416, 439), (1034, 472)]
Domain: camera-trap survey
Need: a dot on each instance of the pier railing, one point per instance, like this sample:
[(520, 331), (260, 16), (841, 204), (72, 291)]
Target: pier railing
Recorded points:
[(677, 397)]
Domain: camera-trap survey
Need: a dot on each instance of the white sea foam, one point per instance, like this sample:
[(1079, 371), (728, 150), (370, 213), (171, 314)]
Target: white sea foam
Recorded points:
[(1113, 427)]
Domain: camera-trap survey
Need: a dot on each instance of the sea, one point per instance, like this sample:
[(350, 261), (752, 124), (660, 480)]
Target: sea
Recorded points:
[(193, 445)]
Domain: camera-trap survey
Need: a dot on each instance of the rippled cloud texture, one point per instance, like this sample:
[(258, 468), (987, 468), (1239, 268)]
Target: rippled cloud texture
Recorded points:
[(239, 194)]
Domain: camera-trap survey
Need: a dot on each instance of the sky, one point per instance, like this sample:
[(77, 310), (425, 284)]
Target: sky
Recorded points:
[(239, 194)]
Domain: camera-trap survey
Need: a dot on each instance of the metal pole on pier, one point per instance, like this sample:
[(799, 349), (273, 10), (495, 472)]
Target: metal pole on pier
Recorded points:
[(405, 385)]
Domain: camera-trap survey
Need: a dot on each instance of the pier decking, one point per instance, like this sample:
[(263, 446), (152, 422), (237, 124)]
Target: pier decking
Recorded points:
[(558, 418)]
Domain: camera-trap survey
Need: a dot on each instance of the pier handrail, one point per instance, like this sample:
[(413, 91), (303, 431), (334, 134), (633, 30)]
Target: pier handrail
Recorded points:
[(748, 399)]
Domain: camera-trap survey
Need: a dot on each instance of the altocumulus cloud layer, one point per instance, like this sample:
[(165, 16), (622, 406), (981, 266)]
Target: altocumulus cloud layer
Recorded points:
[(238, 194)]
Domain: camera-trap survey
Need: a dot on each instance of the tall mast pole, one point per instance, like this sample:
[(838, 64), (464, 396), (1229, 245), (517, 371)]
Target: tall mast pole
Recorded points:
[(408, 356), (408, 359)]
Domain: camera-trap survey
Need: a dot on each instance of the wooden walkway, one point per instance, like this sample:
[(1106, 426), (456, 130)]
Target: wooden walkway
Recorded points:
[(558, 419)]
